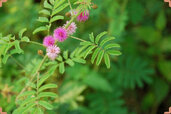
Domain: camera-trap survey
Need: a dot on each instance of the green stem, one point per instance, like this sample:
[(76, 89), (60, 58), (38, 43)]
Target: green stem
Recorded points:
[(49, 28), (70, 4), (36, 73), (33, 42), (76, 38), (37, 88), (36, 43), (17, 62)]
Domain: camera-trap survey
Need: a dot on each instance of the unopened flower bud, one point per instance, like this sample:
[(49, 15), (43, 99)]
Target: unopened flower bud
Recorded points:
[(68, 14), (40, 52), (94, 6)]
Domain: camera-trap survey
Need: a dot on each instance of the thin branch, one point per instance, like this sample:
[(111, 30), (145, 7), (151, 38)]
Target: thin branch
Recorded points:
[(36, 73), (36, 43), (37, 87), (70, 4), (76, 38), (33, 42), (19, 64)]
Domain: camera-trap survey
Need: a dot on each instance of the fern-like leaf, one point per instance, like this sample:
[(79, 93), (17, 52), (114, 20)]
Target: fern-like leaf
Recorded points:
[(70, 59), (51, 9), (100, 48), (10, 45), (132, 72)]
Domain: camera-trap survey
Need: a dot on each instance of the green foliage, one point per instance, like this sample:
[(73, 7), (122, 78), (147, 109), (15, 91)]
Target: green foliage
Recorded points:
[(159, 87), (51, 10), (164, 68), (10, 45), (102, 48), (161, 21), (154, 36), (119, 15), (89, 78), (132, 72), (33, 99), (106, 97), (102, 103), (69, 59), (17, 15), (134, 16), (165, 47), (137, 82)]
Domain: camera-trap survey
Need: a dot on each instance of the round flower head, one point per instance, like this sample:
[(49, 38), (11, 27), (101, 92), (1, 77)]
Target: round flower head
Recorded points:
[(52, 52), (48, 41), (60, 34), (83, 16), (71, 28)]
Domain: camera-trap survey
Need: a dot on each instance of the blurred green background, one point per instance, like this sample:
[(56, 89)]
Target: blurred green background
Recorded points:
[(138, 81)]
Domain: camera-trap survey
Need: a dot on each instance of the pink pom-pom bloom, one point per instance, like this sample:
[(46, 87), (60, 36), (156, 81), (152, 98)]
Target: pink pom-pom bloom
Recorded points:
[(83, 16), (52, 52), (48, 41), (60, 34), (71, 28)]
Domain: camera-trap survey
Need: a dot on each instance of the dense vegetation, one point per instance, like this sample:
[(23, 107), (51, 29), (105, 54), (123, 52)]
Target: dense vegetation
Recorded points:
[(88, 77)]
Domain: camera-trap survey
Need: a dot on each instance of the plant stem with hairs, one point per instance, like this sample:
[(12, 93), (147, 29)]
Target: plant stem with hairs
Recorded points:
[(76, 38), (36, 73), (70, 4), (33, 42)]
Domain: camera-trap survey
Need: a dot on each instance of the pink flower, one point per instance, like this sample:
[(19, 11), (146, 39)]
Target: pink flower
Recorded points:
[(83, 16), (48, 41), (60, 34), (71, 28), (52, 52)]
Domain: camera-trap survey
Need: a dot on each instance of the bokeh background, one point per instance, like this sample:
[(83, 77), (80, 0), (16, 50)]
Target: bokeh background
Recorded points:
[(139, 80)]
